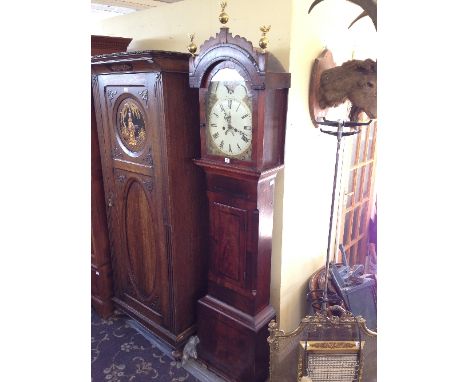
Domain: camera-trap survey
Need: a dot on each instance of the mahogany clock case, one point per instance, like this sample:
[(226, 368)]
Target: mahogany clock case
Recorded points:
[(233, 317), (268, 86), (101, 272), (147, 117)]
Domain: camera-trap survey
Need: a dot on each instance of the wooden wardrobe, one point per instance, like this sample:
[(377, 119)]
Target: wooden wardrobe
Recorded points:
[(101, 271), (148, 127)]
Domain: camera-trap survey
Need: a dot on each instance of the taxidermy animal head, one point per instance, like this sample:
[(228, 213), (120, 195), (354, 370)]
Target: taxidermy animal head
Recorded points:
[(369, 9), (355, 80)]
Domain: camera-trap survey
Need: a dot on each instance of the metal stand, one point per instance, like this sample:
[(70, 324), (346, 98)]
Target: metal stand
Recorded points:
[(339, 133)]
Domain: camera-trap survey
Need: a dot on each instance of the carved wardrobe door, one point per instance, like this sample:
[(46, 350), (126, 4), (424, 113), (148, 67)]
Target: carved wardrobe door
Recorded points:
[(147, 117), (135, 195)]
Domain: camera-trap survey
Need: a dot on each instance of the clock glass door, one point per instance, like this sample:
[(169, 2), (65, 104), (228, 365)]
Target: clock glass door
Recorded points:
[(229, 116)]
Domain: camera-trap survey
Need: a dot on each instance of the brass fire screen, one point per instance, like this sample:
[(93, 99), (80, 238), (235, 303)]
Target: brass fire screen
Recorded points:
[(324, 349)]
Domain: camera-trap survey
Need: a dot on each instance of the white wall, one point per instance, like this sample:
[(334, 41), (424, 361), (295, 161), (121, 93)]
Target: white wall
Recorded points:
[(166, 26), (310, 155)]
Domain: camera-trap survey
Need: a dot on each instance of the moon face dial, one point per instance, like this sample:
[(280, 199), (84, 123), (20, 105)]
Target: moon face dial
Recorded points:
[(229, 120)]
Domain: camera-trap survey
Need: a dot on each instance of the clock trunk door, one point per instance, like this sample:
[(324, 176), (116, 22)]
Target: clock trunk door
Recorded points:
[(134, 197), (232, 244), (229, 239)]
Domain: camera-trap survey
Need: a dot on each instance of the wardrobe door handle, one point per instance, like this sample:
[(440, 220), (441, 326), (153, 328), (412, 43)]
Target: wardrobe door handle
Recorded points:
[(109, 201)]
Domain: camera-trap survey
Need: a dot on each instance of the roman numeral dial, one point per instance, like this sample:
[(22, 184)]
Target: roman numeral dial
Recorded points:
[(230, 126)]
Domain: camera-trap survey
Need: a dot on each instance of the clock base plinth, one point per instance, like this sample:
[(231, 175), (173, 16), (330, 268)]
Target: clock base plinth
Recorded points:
[(233, 344)]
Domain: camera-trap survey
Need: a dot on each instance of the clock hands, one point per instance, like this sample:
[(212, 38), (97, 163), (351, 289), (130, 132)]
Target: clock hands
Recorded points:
[(245, 137), (226, 107), (229, 128), (227, 117)]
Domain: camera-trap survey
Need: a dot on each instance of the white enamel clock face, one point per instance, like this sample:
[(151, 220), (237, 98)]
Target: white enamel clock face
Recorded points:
[(230, 120)]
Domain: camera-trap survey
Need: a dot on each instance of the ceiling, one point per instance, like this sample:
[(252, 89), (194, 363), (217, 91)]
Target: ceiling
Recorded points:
[(132, 4), (103, 9)]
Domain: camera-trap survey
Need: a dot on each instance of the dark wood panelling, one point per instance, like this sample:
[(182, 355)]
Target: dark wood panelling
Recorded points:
[(229, 240), (238, 353), (108, 44), (101, 271)]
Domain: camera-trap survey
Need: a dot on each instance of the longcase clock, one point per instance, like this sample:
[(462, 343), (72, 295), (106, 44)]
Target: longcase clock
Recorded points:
[(243, 103)]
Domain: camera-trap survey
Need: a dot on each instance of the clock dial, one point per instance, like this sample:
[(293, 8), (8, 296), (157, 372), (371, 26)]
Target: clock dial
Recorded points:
[(230, 126), (230, 120)]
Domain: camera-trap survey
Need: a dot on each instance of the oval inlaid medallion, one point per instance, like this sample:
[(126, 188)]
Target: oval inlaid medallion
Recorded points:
[(131, 127)]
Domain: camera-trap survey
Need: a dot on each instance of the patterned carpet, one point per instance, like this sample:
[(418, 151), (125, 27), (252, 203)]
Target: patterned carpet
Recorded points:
[(121, 354)]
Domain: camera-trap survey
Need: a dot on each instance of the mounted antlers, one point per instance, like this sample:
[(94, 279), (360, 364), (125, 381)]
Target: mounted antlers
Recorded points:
[(355, 80), (369, 9)]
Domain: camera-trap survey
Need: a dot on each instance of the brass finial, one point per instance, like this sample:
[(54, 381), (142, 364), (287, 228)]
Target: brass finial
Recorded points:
[(263, 43), (192, 48), (223, 16)]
